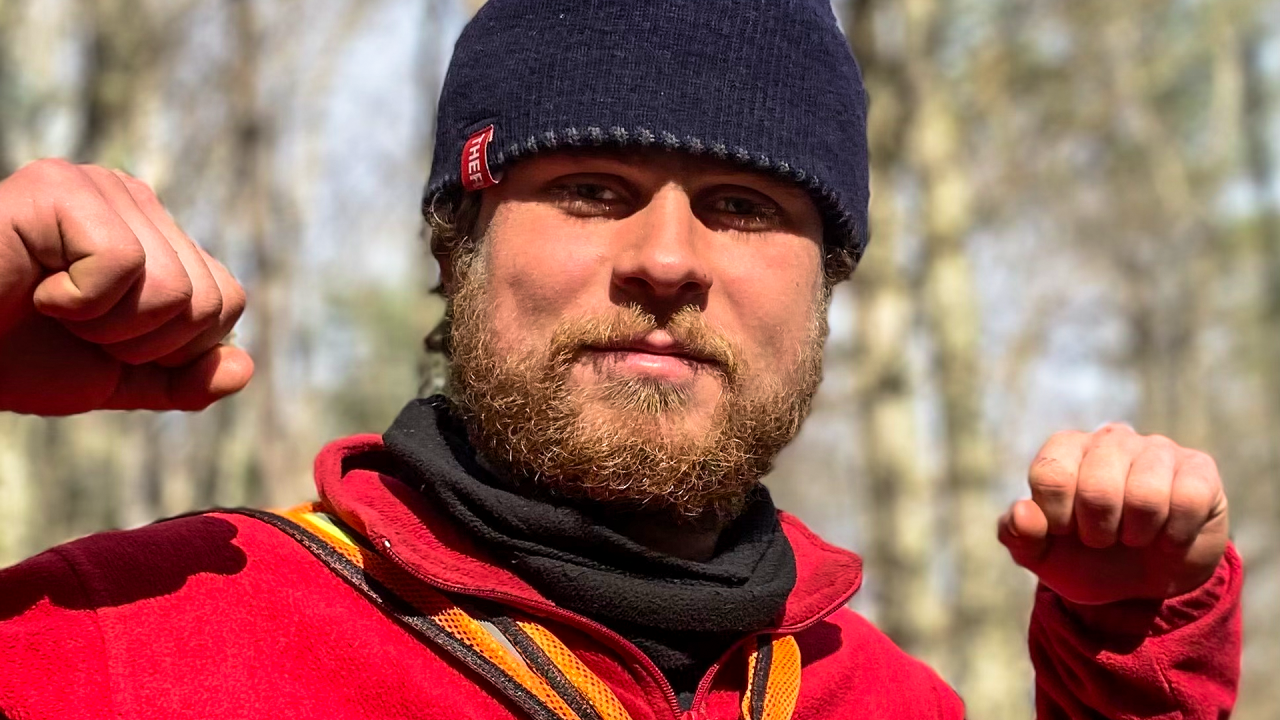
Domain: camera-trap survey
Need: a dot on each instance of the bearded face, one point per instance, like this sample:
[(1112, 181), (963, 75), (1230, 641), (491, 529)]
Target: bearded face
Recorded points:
[(602, 379)]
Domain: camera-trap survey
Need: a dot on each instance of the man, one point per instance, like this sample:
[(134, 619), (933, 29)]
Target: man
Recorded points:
[(639, 212)]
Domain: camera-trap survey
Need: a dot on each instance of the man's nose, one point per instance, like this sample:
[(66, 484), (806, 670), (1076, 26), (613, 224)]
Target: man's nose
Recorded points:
[(660, 264)]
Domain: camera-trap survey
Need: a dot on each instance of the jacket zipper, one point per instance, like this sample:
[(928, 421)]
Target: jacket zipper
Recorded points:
[(620, 643)]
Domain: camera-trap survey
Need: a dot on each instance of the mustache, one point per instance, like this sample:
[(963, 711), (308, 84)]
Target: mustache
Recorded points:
[(629, 324)]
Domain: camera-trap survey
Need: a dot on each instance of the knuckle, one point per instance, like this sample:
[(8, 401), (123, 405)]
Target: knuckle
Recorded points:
[(234, 301), (47, 168), (1097, 498), (1112, 434), (1185, 510), (1115, 429), (207, 310), (1200, 463), (136, 187), (131, 182), (1193, 495), (1146, 503), (174, 291), (1064, 437), (55, 179), (1050, 477), (98, 172), (131, 255), (1157, 455), (1148, 485), (183, 288), (1199, 483)]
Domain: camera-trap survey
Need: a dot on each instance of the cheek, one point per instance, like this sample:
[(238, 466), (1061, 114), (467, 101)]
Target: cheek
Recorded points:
[(537, 279), (775, 296)]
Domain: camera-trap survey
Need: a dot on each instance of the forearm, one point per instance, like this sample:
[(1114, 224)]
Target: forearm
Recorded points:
[(1177, 659)]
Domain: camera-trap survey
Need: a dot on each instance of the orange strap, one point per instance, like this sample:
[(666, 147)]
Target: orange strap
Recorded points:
[(773, 679), (556, 684)]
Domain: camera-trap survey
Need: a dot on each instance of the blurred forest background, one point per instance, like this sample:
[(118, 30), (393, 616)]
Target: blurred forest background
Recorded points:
[(1076, 220)]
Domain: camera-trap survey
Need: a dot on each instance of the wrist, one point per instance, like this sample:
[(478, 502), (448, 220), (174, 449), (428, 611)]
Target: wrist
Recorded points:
[(1143, 617)]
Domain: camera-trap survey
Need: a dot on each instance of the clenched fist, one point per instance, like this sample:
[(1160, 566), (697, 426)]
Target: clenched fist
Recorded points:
[(104, 302), (1115, 515)]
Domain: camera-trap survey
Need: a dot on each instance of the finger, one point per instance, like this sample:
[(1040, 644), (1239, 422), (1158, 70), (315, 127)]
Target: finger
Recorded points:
[(195, 261), (163, 341), (1024, 530), (163, 291), (1053, 478), (205, 307), (1195, 496), (233, 304), (1147, 492), (1101, 483), (89, 253), (218, 373)]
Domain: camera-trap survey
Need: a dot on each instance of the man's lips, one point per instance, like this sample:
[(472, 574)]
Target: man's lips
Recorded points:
[(658, 343), (654, 357)]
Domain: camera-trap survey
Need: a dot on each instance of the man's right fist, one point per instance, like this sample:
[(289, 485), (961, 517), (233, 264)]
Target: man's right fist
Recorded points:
[(104, 302)]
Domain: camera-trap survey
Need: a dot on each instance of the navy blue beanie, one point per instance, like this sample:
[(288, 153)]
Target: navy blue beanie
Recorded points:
[(768, 84)]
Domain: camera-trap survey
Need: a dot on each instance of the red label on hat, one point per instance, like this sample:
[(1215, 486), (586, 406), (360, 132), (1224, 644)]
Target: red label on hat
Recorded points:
[(475, 161)]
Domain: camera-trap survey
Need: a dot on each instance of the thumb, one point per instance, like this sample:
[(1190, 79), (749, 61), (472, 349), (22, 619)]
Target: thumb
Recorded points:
[(1024, 530), (222, 371)]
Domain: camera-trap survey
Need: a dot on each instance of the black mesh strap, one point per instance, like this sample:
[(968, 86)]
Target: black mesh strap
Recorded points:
[(760, 676), (542, 664)]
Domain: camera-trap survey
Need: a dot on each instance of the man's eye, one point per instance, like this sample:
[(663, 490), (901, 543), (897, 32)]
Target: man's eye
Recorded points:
[(745, 213), (593, 191), (586, 198), (738, 206)]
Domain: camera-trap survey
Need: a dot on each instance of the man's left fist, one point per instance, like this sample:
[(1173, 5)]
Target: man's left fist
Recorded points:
[(1115, 515)]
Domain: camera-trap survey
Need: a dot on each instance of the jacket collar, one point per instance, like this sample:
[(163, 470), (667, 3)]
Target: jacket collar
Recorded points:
[(398, 519)]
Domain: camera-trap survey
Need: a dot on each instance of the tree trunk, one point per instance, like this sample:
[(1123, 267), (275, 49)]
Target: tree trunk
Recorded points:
[(7, 98), (985, 649), (122, 66), (902, 541), (1256, 496), (252, 133)]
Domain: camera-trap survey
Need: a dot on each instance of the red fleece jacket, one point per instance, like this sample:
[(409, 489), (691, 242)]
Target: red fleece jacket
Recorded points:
[(220, 615)]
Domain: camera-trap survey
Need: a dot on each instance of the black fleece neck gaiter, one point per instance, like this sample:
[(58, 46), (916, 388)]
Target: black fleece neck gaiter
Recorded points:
[(682, 614)]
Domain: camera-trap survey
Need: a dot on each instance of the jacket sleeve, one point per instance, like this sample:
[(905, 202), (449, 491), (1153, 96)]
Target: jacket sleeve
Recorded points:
[(1175, 660), (52, 656)]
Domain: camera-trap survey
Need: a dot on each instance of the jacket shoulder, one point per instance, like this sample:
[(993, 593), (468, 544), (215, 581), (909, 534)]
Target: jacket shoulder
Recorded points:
[(853, 669), (52, 656), (123, 567), (63, 612)]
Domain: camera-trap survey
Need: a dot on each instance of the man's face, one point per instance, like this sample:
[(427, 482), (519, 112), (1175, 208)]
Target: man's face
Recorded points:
[(643, 329)]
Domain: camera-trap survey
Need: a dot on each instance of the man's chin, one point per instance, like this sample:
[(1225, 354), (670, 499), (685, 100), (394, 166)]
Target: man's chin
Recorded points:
[(671, 421), (637, 403)]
